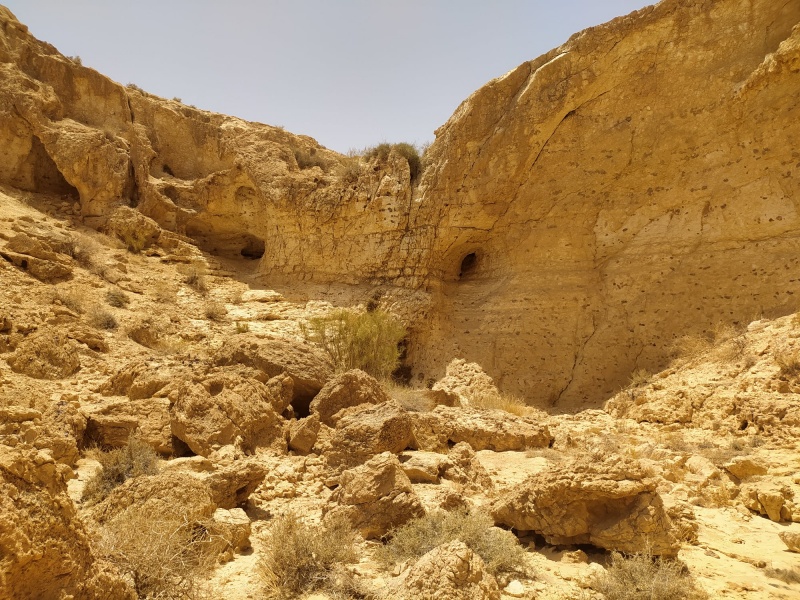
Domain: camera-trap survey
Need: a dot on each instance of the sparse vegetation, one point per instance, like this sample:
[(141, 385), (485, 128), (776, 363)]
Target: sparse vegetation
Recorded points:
[(350, 169), (164, 555), (408, 151), (729, 342), (499, 549), (215, 311), (507, 402), (103, 319), (242, 326), (86, 251), (196, 278), (791, 575), (118, 465), (73, 299), (789, 363), (358, 340), (117, 298), (307, 159), (300, 558), (643, 577)]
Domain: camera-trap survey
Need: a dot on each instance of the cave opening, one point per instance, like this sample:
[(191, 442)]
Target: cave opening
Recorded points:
[(253, 249), (468, 265), (46, 176)]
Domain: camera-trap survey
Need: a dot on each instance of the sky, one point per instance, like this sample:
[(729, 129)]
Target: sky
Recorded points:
[(349, 73)]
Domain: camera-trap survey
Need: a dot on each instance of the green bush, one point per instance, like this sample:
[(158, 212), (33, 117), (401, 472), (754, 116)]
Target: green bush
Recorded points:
[(119, 465), (499, 549), (367, 341), (300, 558), (642, 577), (408, 151)]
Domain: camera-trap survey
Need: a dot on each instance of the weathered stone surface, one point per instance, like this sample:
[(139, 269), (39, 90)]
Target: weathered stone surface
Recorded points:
[(362, 434), (136, 380), (463, 382), (303, 434), (37, 258), (465, 469), (791, 539), (352, 388), (46, 355), (305, 364), (111, 421), (232, 526), (55, 431), (451, 571), (609, 504), (46, 550), (743, 467), (375, 496), (232, 484), (424, 467), (133, 228), (491, 429), (775, 499), (227, 407)]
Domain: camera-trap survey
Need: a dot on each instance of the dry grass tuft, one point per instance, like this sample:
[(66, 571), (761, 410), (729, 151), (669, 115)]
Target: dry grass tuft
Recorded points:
[(499, 549), (300, 558), (507, 402), (196, 278), (242, 326), (102, 319), (74, 299), (355, 340), (164, 555), (215, 311), (791, 575), (789, 363), (642, 577), (117, 298), (119, 465), (727, 341)]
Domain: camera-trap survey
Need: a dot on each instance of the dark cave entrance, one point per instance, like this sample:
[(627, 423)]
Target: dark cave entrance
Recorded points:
[(468, 265)]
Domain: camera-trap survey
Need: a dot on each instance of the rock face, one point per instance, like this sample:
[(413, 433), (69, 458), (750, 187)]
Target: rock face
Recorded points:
[(608, 504), (649, 162), (46, 355), (450, 571), (344, 391), (44, 548), (375, 497)]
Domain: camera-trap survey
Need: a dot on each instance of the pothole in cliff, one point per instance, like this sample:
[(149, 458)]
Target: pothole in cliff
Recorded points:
[(468, 265), (253, 248), (46, 176)]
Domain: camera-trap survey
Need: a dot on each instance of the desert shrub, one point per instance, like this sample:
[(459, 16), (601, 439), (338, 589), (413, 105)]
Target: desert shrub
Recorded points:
[(119, 465), (728, 342), (308, 159), (355, 340), (75, 300), (642, 577), (117, 298), (242, 327), (350, 169), (196, 279), (408, 151), (102, 319), (506, 402), (215, 311), (164, 555), (86, 251), (791, 575), (789, 363), (300, 558), (499, 549)]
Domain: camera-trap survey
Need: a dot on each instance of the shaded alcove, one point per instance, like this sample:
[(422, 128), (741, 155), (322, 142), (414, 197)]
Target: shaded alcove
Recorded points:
[(46, 176), (468, 265)]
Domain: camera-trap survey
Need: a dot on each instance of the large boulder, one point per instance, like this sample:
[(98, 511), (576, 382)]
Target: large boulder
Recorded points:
[(138, 379), (303, 434), (110, 422), (231, 485), (772, 498), (463, 384), (609, 504), (308, 367), (375, 497), (45, 550), (352, 388), (364, 433), (227, 407), (46, 355), (450, 571), (482, 429), (55, 430), (132, 228), (38, 258)]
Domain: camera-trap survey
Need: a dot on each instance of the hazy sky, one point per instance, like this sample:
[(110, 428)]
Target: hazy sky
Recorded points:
[(350, 73)]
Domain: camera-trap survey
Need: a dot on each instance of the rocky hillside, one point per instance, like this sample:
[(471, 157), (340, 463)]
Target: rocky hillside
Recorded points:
[(608, 227)]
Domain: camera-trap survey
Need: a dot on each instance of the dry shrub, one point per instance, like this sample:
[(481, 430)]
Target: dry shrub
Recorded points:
[(75, 300), (102, 319), (350, 169), (164, 555), (642, 577), (300, 558), (408, 151), (307, 159), (499, 549), (728, 342), (242, 326), (507, 402), (119, 465), (215, 311), (196, 278), (791, 575), (355, 340), (117, 298), (86, 251), (789, 363), (412, 400)]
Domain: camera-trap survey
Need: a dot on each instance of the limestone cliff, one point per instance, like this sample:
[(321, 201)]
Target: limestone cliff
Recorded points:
[(576, 215)]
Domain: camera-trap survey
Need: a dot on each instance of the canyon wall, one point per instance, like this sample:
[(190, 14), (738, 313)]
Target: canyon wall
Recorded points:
[(575, 217)]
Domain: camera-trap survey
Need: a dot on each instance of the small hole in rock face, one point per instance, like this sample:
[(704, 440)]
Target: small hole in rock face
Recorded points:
[(468, 264), (216, 388), (744, 425)]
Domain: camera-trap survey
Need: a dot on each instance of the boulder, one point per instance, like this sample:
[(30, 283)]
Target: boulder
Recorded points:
[(375, 497), (56, 431), (308, 367), (45, 548), (231, 485), (743, 467), (346, 390), (424, 467), (136, 380), (451, 571), (37, 258), (491, 429), (232, 527), (609, 504), (367, 432), (465, 469), (110, 422), (303, 434), (791, 539), (463, 383), (46, 355), (132, 228), (227, 407), (774, 499)]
